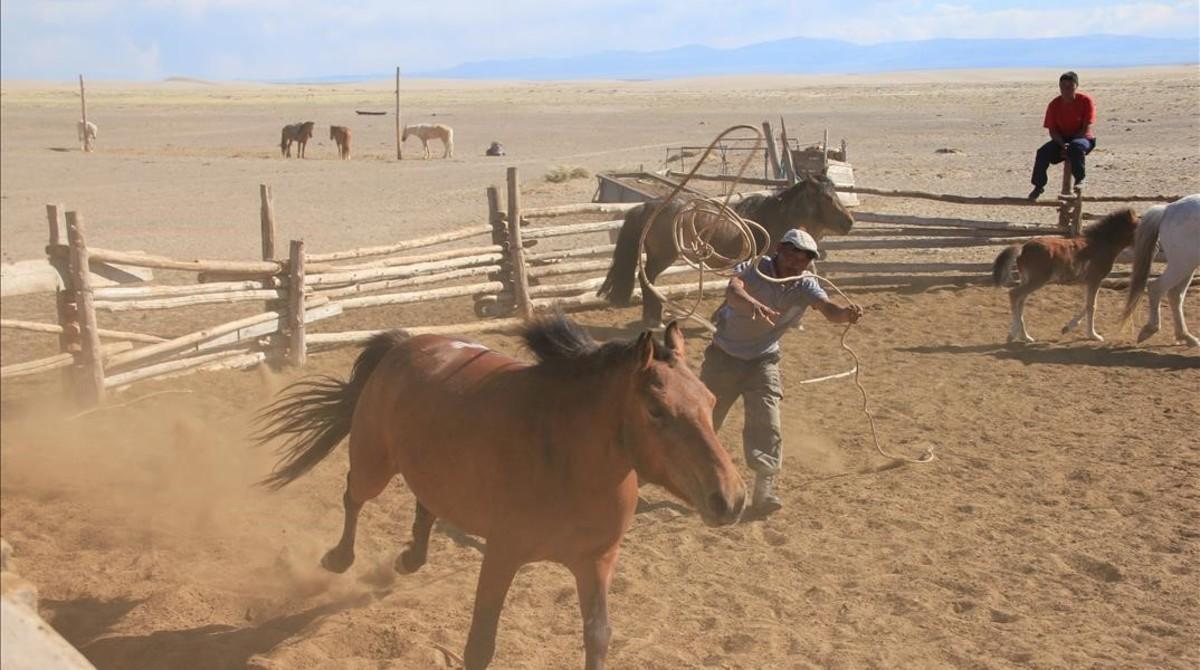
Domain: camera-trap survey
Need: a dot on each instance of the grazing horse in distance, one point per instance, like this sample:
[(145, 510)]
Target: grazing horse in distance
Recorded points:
[(1176, 228), (341, 136), (87, 134), (811, 204), (431, 131), (496, 149), (542, 460), (300, 133), (1087, 259)]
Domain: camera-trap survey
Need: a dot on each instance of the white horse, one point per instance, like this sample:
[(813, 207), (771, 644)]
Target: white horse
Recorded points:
[(1176, 227), (87, 134), (431, 131)]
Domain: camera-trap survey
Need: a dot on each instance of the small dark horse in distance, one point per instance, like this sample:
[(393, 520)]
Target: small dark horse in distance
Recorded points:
[(811, 204), (1087, 259), (300, 133), (341, 137), (543, 461)]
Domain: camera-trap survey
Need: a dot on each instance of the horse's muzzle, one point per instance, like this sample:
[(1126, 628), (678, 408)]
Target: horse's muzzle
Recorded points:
[(720, 509)]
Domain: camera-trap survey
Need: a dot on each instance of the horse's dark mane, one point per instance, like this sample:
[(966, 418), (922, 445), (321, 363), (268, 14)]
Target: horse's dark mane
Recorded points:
[(1114, 228), (563, 346)]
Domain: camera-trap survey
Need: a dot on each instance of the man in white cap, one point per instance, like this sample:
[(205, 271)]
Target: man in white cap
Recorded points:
[(743, 359)]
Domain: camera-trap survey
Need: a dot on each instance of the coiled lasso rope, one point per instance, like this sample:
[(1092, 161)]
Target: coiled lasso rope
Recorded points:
[(692, 228)]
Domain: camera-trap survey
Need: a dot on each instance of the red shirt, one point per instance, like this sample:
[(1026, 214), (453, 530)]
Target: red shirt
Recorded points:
[(1069, 118)]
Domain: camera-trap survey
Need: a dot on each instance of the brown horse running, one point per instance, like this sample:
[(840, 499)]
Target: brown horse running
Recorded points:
[(300, 133), (341, 136), (1086, 259), (811, 204), (542, 460)]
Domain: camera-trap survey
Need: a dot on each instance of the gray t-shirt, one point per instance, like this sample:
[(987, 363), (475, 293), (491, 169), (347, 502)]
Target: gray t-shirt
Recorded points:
[(746, 338)]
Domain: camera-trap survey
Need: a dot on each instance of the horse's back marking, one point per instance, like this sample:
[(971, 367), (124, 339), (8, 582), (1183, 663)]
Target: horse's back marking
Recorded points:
[(461, 344)]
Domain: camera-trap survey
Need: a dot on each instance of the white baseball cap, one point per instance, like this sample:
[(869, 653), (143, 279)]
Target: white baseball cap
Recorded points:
[(800, 240)]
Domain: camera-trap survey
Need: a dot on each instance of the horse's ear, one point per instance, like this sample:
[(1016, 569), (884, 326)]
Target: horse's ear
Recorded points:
[(645, 350), (674, 339)]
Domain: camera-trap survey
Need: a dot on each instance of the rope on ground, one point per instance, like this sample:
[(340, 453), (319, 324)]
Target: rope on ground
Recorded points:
[(136, 400), (692, 229)]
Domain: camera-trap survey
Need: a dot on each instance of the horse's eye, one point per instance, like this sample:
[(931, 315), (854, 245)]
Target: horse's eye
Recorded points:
[(656, 412)]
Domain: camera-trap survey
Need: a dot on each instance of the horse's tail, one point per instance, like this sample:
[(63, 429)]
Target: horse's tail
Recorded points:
[(315, 415), (1002, 266), (618, 283), (283, 141), (1145, 241)]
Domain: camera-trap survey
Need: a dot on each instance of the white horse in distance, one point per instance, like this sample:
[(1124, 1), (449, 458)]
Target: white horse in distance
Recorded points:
[(431, 131), (1175, 227), (87, 134)]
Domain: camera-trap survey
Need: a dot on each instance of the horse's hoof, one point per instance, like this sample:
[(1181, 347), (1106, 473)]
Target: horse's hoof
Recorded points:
[(408, 562), (338, 562), (1147, 331), (1190, 341), (1095, 337)]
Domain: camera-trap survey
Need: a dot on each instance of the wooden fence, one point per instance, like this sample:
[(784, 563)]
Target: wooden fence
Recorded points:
[(517, 271)]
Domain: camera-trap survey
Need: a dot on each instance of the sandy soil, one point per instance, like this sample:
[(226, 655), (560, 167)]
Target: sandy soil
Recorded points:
[(1057, 529)]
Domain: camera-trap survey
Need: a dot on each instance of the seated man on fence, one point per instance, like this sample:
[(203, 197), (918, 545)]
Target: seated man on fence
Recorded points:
[(1069, 118)]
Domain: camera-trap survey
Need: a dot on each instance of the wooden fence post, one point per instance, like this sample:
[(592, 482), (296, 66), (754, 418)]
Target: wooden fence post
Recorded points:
[(64, 308), (1077, 213), (297, 350), (266, 218), (496, 219), (788, 163), (516, 249), (495, 216), (825, 152), (89, 364), (1065, 198), (772, 153)]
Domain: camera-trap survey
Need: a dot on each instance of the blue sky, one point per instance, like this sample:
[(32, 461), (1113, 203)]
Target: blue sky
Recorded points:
[(279, 39)]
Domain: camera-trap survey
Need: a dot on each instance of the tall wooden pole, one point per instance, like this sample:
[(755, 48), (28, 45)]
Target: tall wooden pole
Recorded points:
[(89, 366), (516, 248), (399, 126), (87, 140)]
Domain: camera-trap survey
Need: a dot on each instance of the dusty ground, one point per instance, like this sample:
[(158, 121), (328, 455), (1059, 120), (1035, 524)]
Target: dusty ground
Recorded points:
[(1057, 529)]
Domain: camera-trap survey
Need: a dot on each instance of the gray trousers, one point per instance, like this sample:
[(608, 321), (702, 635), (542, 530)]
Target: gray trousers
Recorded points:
[(757, 382)]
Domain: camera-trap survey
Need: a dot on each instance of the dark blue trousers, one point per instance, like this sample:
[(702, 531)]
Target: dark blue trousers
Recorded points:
[(1051, 154)]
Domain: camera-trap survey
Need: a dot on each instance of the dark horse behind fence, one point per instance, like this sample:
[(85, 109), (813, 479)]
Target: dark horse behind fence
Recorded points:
[(543, 461), (811, 204), (300, 133)]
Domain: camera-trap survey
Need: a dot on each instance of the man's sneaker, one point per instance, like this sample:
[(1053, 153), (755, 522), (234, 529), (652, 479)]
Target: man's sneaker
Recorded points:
[(1035, 193), (764, 500)]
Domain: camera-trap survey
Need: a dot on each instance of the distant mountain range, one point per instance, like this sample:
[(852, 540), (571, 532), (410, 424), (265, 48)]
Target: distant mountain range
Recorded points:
[(804, 55)]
